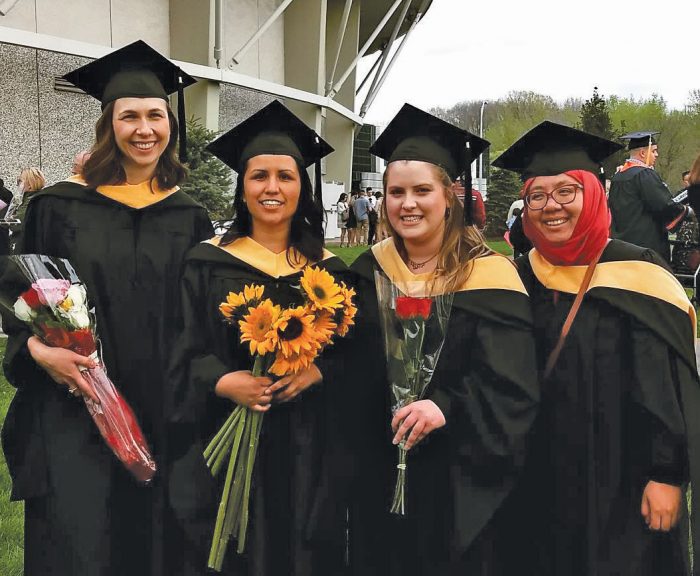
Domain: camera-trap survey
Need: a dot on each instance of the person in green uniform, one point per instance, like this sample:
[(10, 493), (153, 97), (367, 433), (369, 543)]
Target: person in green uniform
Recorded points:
[(642, 207), (125, 227), (616, 438), (297, 524), (466, 435)]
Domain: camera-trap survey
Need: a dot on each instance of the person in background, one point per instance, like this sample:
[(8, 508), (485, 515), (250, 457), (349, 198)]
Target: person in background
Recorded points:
[(125, 227), (685, 178), (5, 199), (79, 161), (615, 440), (382, 233), (352, 219), (29, 181), (361, 208), (478, 207), (343, 209), (372, 216), (694, 186), (642, 208)]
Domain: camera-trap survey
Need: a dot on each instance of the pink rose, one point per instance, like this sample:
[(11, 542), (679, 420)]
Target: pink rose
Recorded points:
[(51, 292)]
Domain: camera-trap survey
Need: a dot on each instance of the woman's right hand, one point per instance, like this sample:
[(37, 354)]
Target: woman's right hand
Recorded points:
[(244, 388), (63, 366)]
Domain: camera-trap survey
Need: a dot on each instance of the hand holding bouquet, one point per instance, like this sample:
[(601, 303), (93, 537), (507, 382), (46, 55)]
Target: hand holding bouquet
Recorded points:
[(46, 294), (414, 330), (281, 341)]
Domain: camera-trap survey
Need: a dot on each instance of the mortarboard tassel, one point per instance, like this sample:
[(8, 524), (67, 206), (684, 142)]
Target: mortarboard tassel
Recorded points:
[(318, 191), (467, 181), (181, 120)]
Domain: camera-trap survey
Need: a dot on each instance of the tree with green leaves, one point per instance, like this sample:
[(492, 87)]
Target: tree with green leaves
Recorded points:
[(595, 117), (504, 189), (209, 181)]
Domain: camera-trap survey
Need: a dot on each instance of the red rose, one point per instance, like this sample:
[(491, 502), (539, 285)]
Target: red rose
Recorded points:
[(82, 341), (31, 297), (57, 337), (407, 307)]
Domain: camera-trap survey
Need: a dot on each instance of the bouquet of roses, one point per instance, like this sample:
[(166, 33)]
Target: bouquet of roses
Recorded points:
[(46, 294), (414, 329), (281, 341)]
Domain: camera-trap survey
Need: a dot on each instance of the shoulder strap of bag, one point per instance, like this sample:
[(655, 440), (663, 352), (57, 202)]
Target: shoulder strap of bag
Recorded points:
[(554, 354)]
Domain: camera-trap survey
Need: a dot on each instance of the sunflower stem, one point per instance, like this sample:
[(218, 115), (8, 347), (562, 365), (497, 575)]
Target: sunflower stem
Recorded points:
[(219, 538), (220, 434), (256, 419)]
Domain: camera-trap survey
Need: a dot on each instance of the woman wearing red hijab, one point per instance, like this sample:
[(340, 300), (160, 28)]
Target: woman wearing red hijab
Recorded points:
[(614, 444)]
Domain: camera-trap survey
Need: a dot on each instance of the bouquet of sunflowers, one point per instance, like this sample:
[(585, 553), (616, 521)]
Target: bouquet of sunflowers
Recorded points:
[(282, 341)]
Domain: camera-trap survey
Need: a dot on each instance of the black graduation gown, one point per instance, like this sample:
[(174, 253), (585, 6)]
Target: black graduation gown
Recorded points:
[(642, 207), (619, 409), (459, 477), (84, 513), (296, 525)]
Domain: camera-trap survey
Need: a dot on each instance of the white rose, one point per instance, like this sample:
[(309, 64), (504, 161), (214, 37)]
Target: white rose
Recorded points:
[(77, 294), (79, 318), (23, 310)]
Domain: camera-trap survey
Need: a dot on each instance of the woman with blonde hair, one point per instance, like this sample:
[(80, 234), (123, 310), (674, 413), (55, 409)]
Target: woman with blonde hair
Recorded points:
[(464, 436), (30, 180)]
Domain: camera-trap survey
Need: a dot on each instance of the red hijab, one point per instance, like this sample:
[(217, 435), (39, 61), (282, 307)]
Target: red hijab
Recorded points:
[(592, 229)]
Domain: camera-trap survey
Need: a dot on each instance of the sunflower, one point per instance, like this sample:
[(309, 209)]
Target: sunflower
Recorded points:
[(324, 326), (257, 327), (321, 289), (250, 296), (292, 363), (295, 330), (345, 319)]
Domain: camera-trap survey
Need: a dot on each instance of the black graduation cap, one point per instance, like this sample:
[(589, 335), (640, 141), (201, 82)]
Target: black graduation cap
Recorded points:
[(416, 135), (639, 139), (550, 148), (272, 130), (135, 71)]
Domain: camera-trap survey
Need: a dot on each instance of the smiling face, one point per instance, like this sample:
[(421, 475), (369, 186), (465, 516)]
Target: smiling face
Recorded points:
[(272, 186), (141, 131), (555, 222), (415, 201)]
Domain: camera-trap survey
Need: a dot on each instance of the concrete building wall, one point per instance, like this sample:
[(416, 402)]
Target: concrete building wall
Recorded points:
[(40, 126), (265, 58), (104, 22)]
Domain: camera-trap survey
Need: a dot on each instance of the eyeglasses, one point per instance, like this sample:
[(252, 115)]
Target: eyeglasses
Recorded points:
[(562, 196)]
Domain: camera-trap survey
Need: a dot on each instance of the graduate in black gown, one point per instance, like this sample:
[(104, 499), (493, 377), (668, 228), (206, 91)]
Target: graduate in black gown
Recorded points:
[(125, 227), (617, 435), (466, 436), (296, 526)]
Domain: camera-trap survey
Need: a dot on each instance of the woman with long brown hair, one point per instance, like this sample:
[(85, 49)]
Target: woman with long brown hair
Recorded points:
[(464, 436), (125, 227)]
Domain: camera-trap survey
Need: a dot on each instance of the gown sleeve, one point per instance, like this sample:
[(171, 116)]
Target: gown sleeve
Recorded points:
[(18, 365), (490, 410), (657, 390), (195, 368)]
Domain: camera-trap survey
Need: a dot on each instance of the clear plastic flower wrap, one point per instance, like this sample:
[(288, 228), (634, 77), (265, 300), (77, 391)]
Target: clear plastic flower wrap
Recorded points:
[(47, 295), (414, 326)]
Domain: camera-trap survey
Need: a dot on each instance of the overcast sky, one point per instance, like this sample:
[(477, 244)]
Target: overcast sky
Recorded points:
[(468, 50)]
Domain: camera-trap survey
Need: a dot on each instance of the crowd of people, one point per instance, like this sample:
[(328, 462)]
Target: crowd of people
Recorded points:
[(557, 430)]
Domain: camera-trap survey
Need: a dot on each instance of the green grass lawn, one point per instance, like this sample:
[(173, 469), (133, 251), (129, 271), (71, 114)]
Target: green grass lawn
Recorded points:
[(348, 255), (11, 513)]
